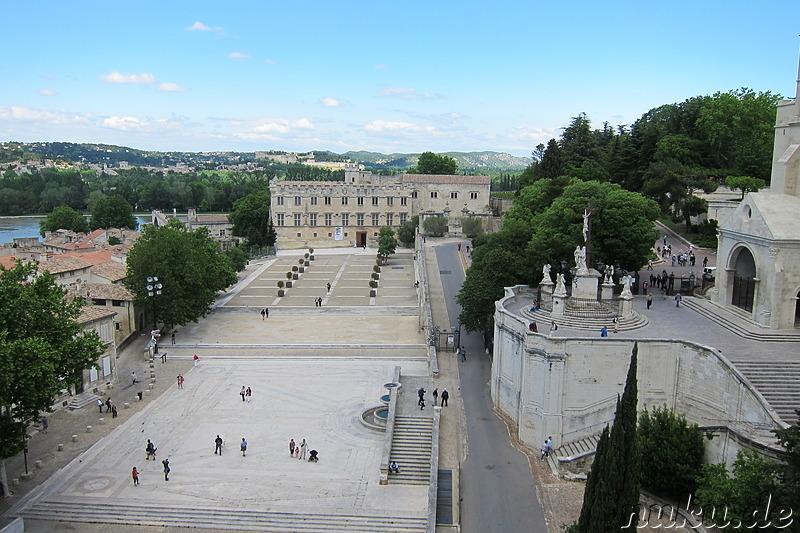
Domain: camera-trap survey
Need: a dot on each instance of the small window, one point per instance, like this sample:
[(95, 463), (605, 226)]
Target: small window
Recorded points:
[(375, 219), (434, 194), (360, 200), (315, 235), (299, 234), (473, 196), (403, 218), (344, 200), (403, 201), (413, 194), (389, 219), (280, 200), (328, 219), (313, 200), (297, 200), (360, 219), (280, 219), (345, 219), (389, 200), (453, 195), (327, 200), (118, 303), (375, 200), (297, 221), (312, 219), (98, 301)]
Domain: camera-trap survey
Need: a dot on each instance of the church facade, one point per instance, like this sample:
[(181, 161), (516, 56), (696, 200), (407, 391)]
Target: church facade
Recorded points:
[(758, 255)]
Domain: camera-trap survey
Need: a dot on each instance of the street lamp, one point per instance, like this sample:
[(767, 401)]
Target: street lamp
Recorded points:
[(154, 289)]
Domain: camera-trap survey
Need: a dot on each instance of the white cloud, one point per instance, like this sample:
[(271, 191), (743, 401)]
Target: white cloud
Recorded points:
[(123, 123), (270, 61), (238, 55), (331, 102), (46, 92), (46, 116), (170, 87), (386, 126), (116, 77), (405, 93), (198, 26)]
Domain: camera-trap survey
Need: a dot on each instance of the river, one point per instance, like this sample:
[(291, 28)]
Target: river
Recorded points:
[(28, 226)]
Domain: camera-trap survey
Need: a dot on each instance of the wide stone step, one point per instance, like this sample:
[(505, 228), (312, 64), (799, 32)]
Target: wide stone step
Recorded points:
[(544, 318), (717, 316), (83, 399), (233, 519)]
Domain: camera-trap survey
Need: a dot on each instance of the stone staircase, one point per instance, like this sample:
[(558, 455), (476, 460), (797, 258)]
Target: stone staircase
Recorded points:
[(778, 382), (544, 318), (735, 322), (83, 399), (571, 459), (146, 514), (411, 448)]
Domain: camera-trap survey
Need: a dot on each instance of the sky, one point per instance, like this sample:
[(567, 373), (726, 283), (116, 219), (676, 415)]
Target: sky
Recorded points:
[(389, 77)]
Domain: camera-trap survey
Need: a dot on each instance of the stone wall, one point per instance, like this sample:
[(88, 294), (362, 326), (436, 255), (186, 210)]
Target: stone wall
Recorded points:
[(567, 388)]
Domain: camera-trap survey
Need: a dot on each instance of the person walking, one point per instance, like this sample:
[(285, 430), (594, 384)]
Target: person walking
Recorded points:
[(180, 381), (649, 300), (604, 331), (135, 476), (100, 404), (173, 337), (463, 353), (445, 397), (291, 447), (133, 378), (243, 392), (421, 394), (297, 452), (195, 358), (248, 394), (218, 445), (243, 446), (45, 424), (705, 262), (678, 299), (113, 411), (435, 395), (303, 449), (165, 462), (263, 314), (329, 287), (553, 329), (266, 312), (108, 405), (150, 449)]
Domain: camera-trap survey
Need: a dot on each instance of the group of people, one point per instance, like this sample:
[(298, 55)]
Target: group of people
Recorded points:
[(421, 394), (663, 281), (318, 302), (298, 451), (110, 407)]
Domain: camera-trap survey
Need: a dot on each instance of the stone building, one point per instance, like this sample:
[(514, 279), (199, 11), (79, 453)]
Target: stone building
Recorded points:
[(351, 212), (219, 227), (758, 256)]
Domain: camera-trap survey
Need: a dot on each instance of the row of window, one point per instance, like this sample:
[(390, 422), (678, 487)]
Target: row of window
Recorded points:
[(375, 199), (345, 220)]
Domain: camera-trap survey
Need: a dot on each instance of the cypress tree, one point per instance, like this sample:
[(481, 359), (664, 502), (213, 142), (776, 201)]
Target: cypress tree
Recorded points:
[(612, 489)]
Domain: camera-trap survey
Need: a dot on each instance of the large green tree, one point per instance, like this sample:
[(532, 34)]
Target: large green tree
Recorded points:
[(788, 471), (250, 218), (745, 184), (113, 212), (64, 217), (611, 497), (430, 163), (43, 350), (435, 226), (408, 230), (189, 266)]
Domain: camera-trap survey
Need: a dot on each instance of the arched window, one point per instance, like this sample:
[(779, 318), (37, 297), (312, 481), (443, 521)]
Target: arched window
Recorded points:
[(744, 283)]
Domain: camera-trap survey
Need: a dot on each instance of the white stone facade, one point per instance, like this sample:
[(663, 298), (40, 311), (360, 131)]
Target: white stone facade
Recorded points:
[(567, 387), (330, 214)]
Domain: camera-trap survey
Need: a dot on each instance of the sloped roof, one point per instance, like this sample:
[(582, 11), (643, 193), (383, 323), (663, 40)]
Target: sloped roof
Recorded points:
[(110, 270), (59, 264), (767, 215), (103, 291), (90, 314), (445, 179)]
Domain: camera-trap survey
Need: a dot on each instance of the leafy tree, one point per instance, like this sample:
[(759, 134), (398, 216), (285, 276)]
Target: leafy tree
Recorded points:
[(387, 244), (691, 206), (578, 145), (435, 226), (472, 226), (430, 163), (188, 264), (250, 218), (408, 230), (612, 488), (739, 493), (113, 212), (63, 217), (237, 257), (43, 350), (788, 471), (672, 449), (745, 184)]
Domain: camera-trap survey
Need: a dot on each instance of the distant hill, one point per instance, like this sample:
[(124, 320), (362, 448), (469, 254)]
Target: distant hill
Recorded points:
[(477, 162)]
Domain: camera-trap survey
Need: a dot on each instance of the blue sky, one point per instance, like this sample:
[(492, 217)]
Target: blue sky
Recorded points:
[(383, 76)]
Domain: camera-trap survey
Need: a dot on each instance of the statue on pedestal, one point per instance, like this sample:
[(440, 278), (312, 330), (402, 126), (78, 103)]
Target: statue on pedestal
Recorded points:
[(546, 273), (580, 260), (609, 274), (561, 290), (626, 286)]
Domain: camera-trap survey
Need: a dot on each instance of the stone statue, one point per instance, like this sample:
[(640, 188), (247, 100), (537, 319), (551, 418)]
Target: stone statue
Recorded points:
[(546, 272), (561, 290), (580, 259), (586, 215), (626, 285), (609, 274)]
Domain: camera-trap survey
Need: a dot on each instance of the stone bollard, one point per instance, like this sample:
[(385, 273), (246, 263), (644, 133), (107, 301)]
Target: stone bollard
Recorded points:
[(153, 380), (109, 386), (60, 447), (147, 392), (101, 420), (88, 429), (74, 438), (15, 482), (126, 405), (25, 476), (38, 464), (152, 364)]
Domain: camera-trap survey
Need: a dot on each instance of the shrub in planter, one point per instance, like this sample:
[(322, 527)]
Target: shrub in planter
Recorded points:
[(376, 268), (288, 275), (311, 254), (306, 257), (373, 284), (281, 284), (375, 275), (294, 269)]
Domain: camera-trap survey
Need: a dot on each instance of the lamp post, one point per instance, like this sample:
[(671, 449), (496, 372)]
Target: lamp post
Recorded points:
[(154, 289)]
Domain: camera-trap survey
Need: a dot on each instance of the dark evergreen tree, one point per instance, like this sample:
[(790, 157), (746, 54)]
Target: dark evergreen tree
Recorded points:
[(611, 498)]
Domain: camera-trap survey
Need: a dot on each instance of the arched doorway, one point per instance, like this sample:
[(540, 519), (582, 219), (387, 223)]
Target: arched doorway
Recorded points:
[(797, 310), (744, 283)]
